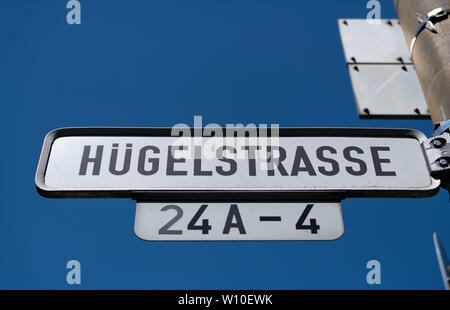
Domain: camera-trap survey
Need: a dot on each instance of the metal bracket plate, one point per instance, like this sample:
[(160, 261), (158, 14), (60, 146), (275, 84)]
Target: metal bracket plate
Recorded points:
[(366, 42), (388, 91), (438, 153), (384, 81)]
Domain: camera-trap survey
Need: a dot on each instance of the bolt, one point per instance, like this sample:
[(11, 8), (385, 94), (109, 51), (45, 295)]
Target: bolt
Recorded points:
[(443, 162), (437, 143)]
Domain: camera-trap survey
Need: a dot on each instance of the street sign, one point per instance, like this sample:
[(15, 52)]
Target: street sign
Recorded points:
[(238, 221), (297, 164)]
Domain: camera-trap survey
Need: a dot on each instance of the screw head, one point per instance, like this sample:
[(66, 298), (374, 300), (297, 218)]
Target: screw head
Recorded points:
[(443, 162), (437, 143)]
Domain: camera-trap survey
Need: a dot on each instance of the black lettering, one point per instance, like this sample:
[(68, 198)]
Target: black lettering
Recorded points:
[(97, 160), (334, 164), (362, 165), (153, 161), (377, 161), (126, 161), (234, 213), (272, 162), (198, 162), (300, 155), (231, 162), (251, 158), (171, 160)]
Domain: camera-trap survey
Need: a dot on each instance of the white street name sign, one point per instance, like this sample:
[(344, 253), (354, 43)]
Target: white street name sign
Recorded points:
[(299, 164)]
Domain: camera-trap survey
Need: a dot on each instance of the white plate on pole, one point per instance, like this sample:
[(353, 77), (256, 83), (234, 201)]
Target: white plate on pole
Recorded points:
[(381, 70), (156, 221)]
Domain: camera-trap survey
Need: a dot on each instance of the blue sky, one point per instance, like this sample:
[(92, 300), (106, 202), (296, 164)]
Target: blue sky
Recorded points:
[(158, 63)]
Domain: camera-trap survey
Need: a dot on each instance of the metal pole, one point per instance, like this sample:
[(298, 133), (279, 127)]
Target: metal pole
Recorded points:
[(431, 54)]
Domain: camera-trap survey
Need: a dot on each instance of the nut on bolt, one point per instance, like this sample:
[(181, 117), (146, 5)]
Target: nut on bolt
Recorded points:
[(443, 162), (437, 143)]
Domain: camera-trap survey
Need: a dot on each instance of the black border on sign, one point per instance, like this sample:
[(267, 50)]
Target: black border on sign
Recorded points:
[(277, 195)]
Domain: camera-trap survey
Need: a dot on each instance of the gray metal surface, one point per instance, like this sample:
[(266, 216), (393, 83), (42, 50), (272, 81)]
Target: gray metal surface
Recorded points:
[(431, 54), (373, 43), (252, 221), (59, 171), (387, 91)]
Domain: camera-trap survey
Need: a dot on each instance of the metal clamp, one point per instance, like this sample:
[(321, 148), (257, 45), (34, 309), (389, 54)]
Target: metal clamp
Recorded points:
[(428, 22), (437, 149), (438, 153)]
